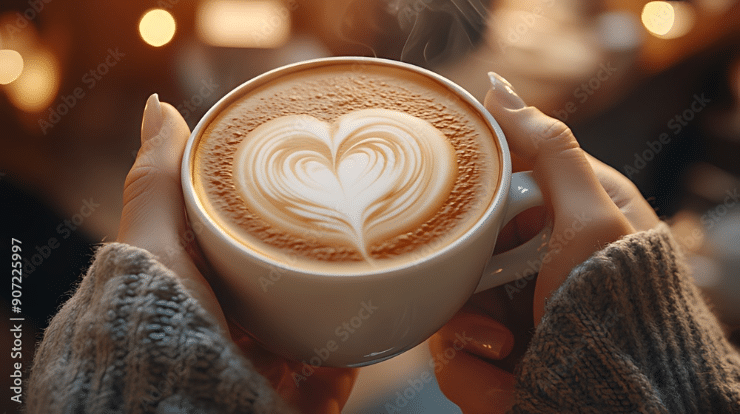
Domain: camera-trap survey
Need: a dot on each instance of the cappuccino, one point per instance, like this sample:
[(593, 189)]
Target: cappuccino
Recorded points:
[(347, 168)]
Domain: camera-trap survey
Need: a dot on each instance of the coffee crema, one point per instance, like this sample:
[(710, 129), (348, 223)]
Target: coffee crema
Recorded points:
[(363, 166), (369, 176)]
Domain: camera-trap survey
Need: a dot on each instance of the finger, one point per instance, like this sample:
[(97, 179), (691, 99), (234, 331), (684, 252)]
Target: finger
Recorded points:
[(519, 164), (522, 228), (569, 185), (473, 384), (625, 195), (311, 389), (326, 391), (558, 161), (478, 334), (153, 215), (152, 197)]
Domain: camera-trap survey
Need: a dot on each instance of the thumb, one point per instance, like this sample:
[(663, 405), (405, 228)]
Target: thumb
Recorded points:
[(153, 216), (559, 164), (153, 206), (584, 217)]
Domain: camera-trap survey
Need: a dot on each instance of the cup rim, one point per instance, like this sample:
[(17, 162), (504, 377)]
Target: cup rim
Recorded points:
[(189, 193)]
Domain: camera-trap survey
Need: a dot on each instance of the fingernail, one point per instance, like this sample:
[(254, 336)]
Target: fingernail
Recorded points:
[(493, 342), (153, 118), (505, 94), (479, 334)]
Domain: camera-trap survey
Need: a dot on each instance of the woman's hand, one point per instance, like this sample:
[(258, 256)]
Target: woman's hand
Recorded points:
[(153, 218), (591, 205)]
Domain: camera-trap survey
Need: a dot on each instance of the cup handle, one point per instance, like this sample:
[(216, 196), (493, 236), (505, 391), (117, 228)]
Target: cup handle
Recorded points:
[(524, 260)]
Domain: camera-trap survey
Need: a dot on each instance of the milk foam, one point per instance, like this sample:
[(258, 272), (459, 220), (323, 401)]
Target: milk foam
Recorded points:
[(370, 175), (328, 94)]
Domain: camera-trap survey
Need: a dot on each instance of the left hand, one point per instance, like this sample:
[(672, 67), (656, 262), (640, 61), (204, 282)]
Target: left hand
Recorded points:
[(573, 183), (153, 218)]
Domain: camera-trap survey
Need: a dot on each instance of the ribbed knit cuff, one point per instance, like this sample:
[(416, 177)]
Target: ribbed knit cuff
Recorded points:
[(132, 340), (629, 332)]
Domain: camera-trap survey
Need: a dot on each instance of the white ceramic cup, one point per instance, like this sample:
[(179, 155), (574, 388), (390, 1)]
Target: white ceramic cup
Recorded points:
[(360, 319)]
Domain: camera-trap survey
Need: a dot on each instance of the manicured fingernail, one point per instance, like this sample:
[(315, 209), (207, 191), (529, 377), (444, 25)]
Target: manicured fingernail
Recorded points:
[(504, 92), (153, 118), (479, 334), (493, 342)]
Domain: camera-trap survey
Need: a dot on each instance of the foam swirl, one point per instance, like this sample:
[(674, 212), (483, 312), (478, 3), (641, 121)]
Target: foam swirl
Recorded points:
[(370, 175)]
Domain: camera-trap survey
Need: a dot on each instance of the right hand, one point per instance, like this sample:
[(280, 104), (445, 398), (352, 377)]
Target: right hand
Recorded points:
[(591, 205), (154, 219)]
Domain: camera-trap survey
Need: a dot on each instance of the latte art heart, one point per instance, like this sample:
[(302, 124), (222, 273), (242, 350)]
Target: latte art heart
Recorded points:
[(371, 175)]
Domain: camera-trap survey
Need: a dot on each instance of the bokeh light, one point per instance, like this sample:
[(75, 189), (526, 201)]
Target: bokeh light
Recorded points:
[(668, 19), (253, 24), (11, 66), (658, 17), (157, 27), (685, 17), (38, 84)]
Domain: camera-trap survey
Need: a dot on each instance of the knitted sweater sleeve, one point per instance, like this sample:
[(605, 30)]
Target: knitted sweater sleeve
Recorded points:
[(629, 332), (131, 340)]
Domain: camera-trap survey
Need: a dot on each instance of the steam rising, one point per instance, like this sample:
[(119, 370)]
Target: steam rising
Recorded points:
[(422, 32), (438, 30)]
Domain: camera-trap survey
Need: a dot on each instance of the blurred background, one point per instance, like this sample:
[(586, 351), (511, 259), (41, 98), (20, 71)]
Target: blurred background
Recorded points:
[(651, 88)]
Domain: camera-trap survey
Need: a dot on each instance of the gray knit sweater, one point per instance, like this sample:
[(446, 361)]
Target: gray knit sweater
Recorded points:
[(627, 332)]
